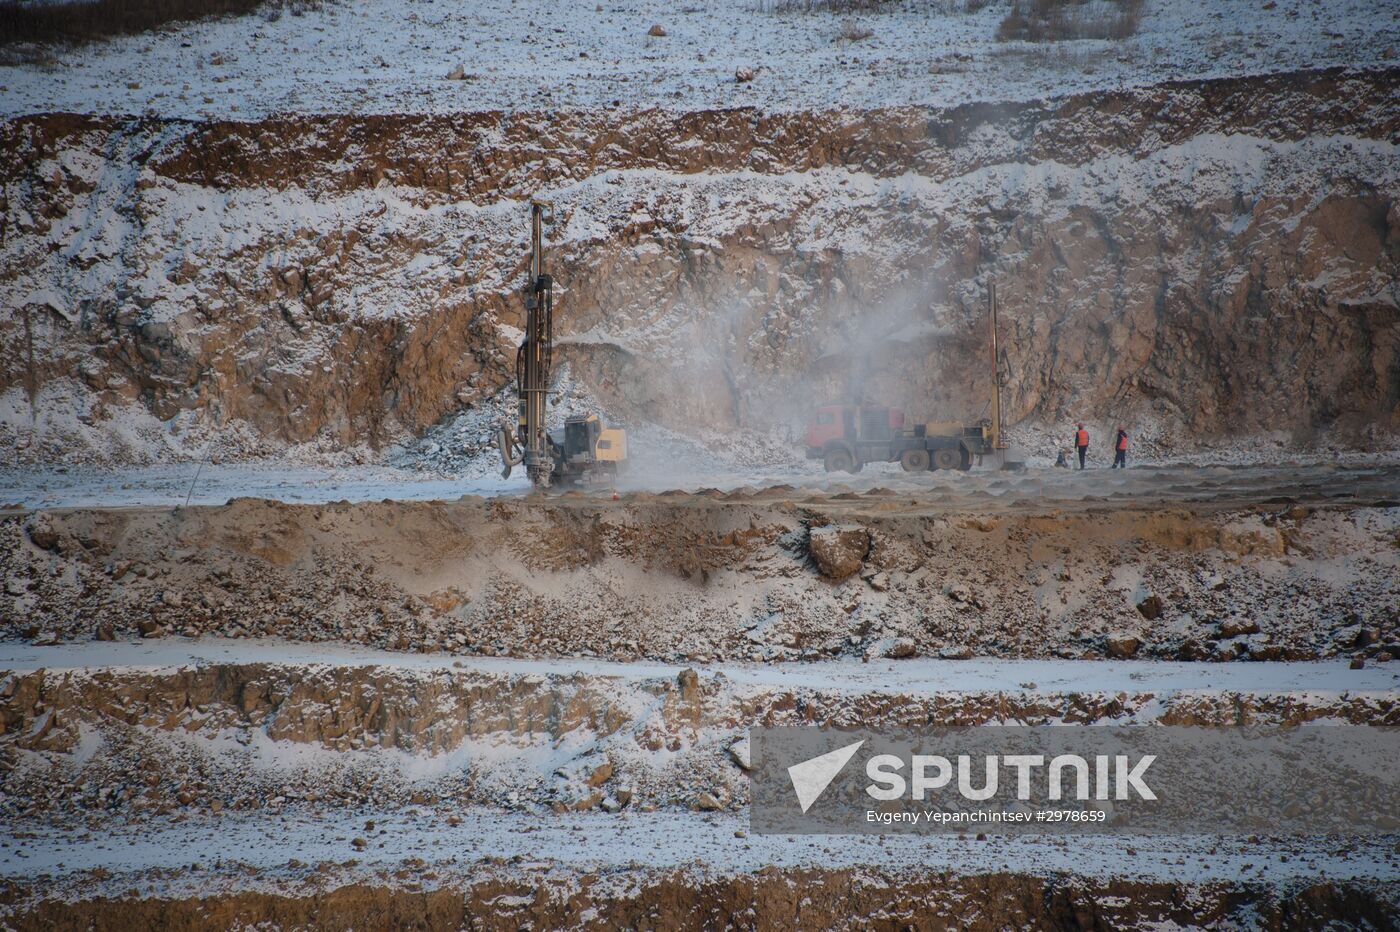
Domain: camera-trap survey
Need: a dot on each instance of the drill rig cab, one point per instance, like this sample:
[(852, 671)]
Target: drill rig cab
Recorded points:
[(584, 450)]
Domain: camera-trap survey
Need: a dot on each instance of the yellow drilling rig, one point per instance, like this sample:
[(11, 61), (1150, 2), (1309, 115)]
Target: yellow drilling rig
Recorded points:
[(584, 450)]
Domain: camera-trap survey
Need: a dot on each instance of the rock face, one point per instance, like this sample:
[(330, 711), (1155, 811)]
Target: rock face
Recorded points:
[(838, 551), (827, 896), (1206, 258)]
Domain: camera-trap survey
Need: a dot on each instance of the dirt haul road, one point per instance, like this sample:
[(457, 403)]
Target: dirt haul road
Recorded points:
[(531, 709)]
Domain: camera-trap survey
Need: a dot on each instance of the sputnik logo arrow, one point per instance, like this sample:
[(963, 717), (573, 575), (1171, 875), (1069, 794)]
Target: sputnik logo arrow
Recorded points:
[(811, 777)]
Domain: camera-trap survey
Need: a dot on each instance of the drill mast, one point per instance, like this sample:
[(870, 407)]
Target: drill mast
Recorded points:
[(528, 440), (534, 359)]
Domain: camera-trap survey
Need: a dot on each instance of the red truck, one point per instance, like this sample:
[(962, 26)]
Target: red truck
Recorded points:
[(846, 437)]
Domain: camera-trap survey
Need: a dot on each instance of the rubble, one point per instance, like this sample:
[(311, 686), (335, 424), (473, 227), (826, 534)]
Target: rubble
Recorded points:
[(1237, 625), (707, 802), (255, 734), (424, 576), (901, 648)]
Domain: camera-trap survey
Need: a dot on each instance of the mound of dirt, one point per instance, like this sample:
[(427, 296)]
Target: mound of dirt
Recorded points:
[(719, 576)]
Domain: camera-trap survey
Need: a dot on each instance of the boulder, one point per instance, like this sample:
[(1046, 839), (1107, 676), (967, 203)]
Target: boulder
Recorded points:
[(1150, 607), (707, 802), (1122, 644), (900, 648), (1236, 625), (839, 551), (587, 802), (43, 534)]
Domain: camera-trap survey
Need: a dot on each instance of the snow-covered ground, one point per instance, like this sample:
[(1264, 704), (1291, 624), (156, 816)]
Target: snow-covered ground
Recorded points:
[(394, 56), (215, 484), (659, 840), (456, 832), (1316, 478), (905, 677)]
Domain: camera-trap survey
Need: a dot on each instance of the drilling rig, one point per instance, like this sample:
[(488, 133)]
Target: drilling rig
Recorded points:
[(584, 450), (847, 436)]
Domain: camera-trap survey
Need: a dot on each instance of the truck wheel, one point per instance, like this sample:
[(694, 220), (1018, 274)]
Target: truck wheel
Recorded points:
[(947, 458), (839, 460), (914, 460)]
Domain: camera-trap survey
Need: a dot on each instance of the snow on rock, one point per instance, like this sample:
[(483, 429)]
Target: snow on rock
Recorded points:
[(412, 56), (838, 550), (714, 291)]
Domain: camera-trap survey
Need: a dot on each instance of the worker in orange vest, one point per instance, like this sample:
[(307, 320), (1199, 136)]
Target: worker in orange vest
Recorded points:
[(1081, 443), (1120, 449)]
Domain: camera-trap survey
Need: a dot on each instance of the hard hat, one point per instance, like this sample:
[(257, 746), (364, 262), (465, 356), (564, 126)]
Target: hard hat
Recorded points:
[(1081, 426)]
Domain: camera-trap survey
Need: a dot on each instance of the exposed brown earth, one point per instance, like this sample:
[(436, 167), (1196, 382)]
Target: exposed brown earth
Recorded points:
[(811, 898), (1205, 260), (313, 756), (719, 265), (165, 734), (720, 576)]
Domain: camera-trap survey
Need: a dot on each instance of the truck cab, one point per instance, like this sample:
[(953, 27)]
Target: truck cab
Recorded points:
[(845, 436)]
